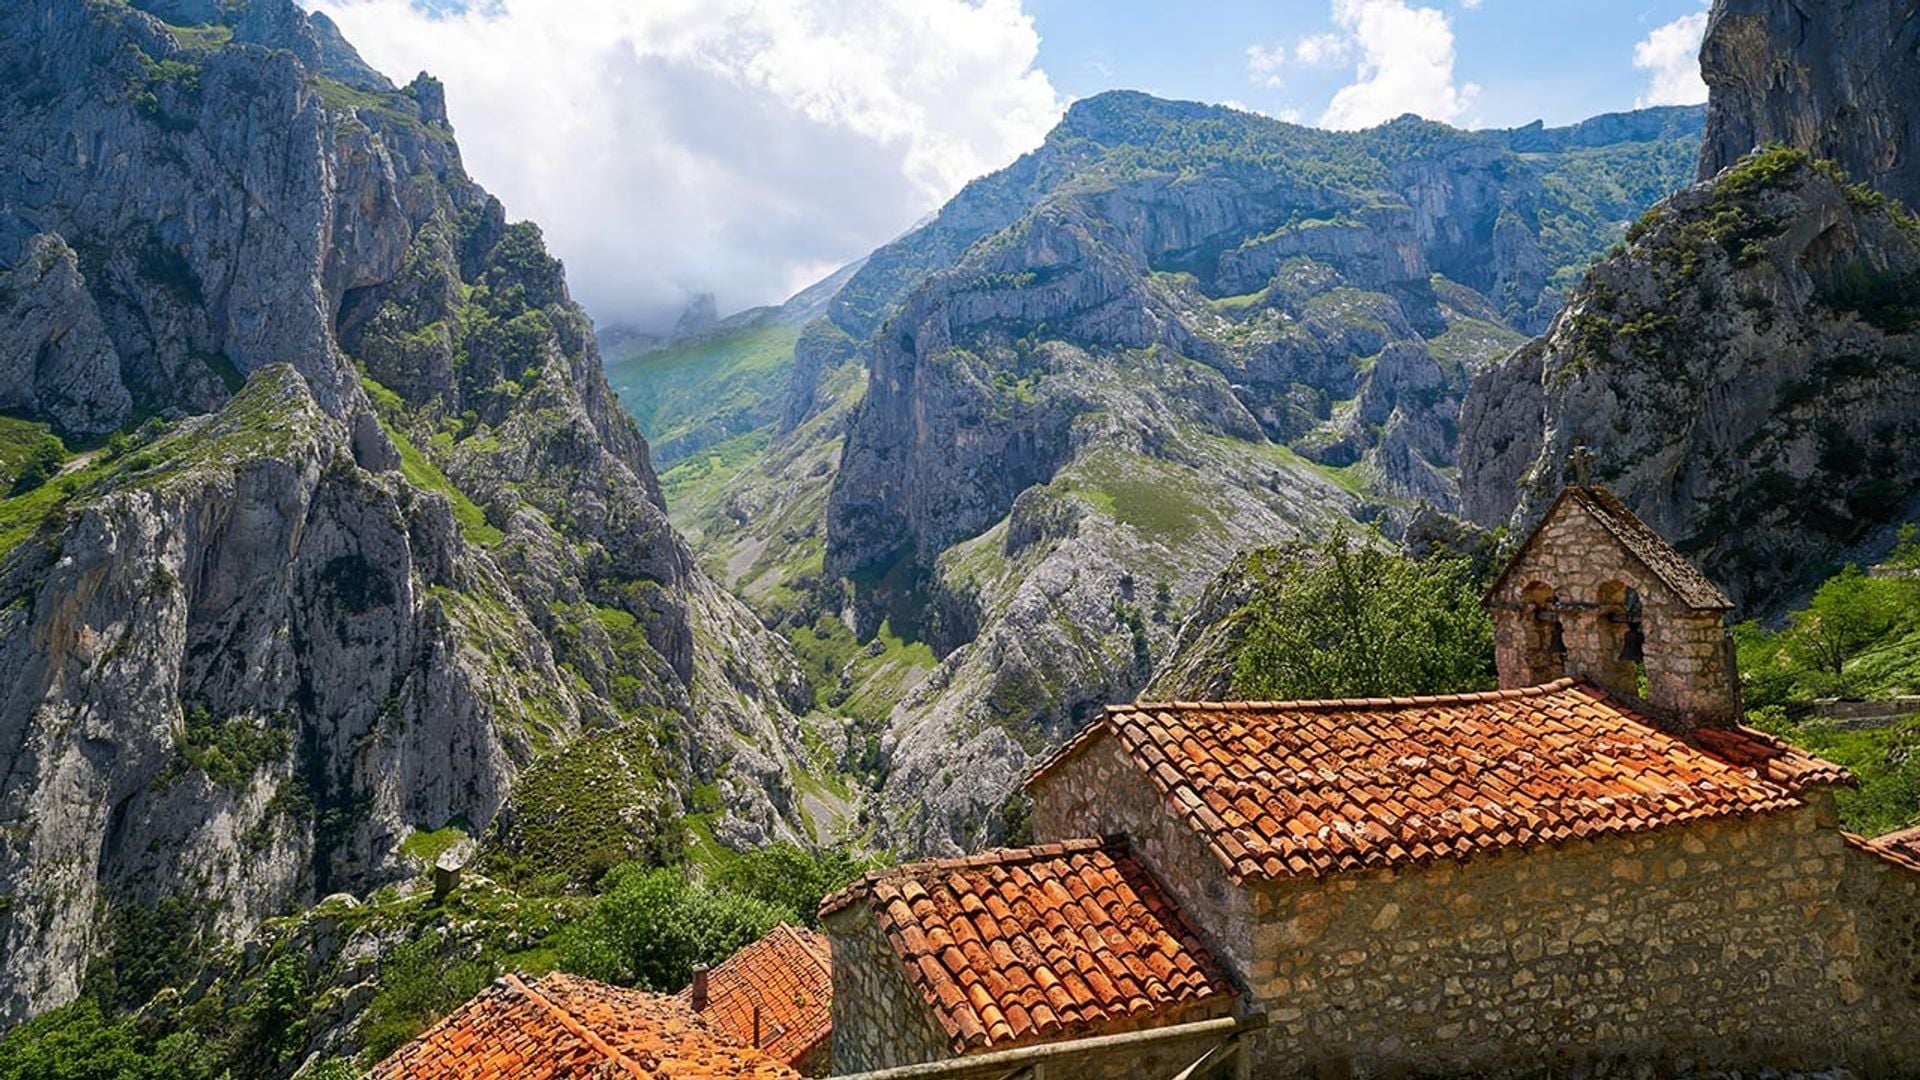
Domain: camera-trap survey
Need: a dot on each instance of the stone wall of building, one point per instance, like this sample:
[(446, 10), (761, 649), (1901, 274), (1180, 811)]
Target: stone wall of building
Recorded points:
[(1575, 576), (879, 1018), (1099, 791), (1735, 943), (1887, 898)]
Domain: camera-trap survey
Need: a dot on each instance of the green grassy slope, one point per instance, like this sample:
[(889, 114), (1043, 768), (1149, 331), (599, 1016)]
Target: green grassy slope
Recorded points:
[(697, 395)]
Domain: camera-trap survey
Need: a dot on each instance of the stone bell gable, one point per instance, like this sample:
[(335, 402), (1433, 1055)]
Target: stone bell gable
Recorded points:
[(1595, 594)]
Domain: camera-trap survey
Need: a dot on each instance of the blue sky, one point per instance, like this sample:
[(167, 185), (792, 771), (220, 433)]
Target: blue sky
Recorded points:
[(748, 147), (1555, 60)]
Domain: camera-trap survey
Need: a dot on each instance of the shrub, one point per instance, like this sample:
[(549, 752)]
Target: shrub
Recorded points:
[(41, 465), (787, 876), (650, 927)]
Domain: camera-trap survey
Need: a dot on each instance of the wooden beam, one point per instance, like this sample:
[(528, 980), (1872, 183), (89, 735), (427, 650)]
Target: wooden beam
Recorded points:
[(1017, 1060), (1220, 1051)]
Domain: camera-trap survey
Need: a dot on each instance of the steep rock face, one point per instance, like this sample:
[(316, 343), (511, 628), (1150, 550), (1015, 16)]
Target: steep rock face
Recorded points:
[(1323, 303), (1836, 79), (1747, 373), (250, 647), (59, 361), (239, 580)]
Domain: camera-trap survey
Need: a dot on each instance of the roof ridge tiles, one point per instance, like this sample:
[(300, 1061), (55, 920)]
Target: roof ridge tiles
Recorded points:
[(1329, 704), (1117, 844)]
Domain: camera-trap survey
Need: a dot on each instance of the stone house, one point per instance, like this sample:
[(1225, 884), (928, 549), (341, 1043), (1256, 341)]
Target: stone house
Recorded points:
[(1595, 867)]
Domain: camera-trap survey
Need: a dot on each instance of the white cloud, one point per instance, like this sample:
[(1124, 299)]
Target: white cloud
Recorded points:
[(1264, 64), (1671, 53), (1288, 115), (1406, 65), (1469, 4), (1323, 49), (734, 146)]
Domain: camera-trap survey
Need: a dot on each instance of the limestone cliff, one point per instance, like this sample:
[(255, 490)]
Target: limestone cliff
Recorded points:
[(1172, 332), (1747, 370), (1745, 366), (346, 536), (1837, 79)]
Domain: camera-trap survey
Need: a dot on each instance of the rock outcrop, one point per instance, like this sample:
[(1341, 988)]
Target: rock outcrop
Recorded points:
[(1745, 368), (1747, 372), (1836, 79), (388, 558)]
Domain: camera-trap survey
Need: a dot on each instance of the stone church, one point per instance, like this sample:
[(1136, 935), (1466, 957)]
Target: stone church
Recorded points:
[(1593, 870), (1595, 866)]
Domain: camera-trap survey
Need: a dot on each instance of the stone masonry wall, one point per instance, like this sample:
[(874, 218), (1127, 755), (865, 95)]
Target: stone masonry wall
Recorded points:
[(1888, 900), (1099, 791), (1722, 944), (879, 1019), (1575, 570)]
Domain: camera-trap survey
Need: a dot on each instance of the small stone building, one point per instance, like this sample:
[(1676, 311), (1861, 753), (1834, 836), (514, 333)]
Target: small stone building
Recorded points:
[(1594, 869), (1597, 593)]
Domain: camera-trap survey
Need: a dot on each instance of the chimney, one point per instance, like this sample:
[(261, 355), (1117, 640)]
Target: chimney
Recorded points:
[(446, 874), (699, 988)]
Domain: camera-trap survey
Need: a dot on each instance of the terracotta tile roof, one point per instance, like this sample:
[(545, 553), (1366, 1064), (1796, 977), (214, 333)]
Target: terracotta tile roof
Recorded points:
[(1650, 548), (1900, 848), (1315, 787), (1040, 943), (788, 977), (564, 1027)]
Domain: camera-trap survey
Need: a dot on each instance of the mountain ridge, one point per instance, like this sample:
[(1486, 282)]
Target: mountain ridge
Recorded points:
[(345, 537)]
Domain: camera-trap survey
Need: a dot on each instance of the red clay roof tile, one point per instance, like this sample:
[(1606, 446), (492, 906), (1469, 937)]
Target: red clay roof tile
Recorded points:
[(1083, 940), (1419, 778), (563, 1027), (1900, 848), (787, 976)]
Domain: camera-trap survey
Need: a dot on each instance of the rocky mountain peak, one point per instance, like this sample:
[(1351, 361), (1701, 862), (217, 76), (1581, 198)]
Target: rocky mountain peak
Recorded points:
[(1836, 79), (351, 492)]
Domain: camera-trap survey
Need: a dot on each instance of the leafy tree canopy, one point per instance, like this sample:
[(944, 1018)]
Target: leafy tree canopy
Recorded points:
[(1356, 619), (651, 926)]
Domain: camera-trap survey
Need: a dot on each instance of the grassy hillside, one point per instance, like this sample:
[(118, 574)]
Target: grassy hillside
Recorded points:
[(1858, 637), (696, 395)]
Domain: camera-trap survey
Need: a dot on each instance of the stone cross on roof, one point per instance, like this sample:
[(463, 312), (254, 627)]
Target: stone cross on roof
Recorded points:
[(1581, 461)]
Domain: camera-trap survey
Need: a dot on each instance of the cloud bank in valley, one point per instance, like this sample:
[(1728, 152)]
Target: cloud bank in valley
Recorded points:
[(739, 147)]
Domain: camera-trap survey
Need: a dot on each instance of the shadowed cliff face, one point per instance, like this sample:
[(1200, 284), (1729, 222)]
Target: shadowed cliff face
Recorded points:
[(348, 536), (1747, 372), (1746, 369), (1837, 79)]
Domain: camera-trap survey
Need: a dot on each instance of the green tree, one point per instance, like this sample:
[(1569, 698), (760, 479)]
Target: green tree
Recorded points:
[(1849, 612), (41, 465), (419, 983), (650, 927), (80, 1042), (1355, 619), (788, 876)]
